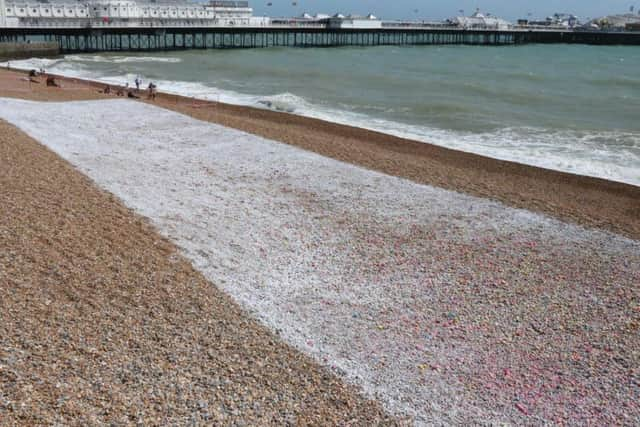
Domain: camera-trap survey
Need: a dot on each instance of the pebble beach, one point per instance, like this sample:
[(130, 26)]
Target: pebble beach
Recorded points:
[(371, 297), (103, 322)]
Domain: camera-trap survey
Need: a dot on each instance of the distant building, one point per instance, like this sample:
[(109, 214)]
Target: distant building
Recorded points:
[(616, 22), (127, 13), (352, 21), (305, 20), (480, 21), (557, 20)]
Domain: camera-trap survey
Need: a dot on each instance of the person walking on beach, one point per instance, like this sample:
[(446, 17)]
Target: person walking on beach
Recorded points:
[(138, 82), (152, 91)]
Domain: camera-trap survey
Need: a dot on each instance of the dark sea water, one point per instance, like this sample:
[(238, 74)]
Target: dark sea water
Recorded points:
[(567, 107)]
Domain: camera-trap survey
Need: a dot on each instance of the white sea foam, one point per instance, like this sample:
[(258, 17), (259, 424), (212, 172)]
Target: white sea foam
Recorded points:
[(121, 59), (34, 63), (564, 150)]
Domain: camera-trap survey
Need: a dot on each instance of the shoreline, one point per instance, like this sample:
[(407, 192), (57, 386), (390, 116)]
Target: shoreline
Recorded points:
[(336, 118), (588, 201)]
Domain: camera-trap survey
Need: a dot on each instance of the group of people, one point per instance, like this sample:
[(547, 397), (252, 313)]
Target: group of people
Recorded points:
[(151, 90), (50, 80), (130, 93)]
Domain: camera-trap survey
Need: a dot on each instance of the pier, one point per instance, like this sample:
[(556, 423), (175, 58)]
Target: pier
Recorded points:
[(75, 40), (126, 25)]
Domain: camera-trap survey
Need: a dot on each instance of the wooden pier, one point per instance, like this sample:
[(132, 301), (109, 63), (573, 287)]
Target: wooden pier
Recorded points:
[(73, 40)]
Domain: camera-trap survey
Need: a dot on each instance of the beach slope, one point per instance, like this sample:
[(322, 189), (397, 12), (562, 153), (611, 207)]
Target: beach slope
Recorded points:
[(577, 199), (102, 321), (447, 307)]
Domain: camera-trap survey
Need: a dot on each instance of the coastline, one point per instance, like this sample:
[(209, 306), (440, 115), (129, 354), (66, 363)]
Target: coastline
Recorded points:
[(588, 201), (486, 312), (442, 306)]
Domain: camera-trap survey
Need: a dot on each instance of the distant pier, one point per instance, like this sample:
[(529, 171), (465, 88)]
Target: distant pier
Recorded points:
[(129, 25), (74, 40)]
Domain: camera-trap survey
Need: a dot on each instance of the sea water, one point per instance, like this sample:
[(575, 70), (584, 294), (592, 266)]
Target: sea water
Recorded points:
[(573, 108)]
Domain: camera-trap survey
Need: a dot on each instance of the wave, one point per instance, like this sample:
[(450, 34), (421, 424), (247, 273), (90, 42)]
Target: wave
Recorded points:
[(34, 63), (121, 59), (613, 155), (286, 102)]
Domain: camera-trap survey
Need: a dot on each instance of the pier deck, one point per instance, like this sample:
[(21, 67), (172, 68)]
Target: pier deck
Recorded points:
[(174, 38)]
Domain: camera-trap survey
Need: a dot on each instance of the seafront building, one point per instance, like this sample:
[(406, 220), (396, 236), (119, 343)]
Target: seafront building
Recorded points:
[(624, 22), (480, 20), (557, 20), (215, 13), (126, 13)]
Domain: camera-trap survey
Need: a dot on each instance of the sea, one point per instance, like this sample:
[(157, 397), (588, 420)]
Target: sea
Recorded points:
[(573, 108)]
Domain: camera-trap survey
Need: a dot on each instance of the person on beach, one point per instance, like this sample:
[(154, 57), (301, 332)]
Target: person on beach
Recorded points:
[(138, 82), (107, 90), (152, 91)]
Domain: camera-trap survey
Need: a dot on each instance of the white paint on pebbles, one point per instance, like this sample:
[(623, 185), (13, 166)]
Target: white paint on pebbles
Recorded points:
[(344, 263)]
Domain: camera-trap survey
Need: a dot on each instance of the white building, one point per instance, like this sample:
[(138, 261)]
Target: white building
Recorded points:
[(556, 21), (127, 13), (481, 21), (354, 22), (615, 22)]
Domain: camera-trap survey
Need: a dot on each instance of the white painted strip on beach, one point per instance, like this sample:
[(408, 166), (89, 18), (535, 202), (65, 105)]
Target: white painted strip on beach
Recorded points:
[(348, 265)]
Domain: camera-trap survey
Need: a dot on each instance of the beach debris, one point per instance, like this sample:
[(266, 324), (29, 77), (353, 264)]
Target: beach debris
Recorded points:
[(51, 81)]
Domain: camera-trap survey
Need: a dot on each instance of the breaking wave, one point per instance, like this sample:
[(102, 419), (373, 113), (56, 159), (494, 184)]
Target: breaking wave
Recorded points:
[(613, 155), (121, 59)]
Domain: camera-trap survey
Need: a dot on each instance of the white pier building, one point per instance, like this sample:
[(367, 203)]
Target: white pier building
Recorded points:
[(127, 13)]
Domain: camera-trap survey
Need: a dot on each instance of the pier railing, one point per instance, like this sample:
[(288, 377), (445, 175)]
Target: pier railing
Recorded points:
[(110, 38)]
